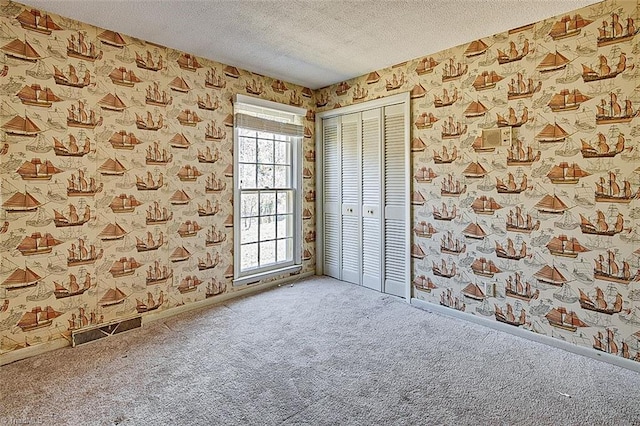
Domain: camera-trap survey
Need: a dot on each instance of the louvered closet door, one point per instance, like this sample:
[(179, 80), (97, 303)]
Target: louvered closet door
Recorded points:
[(396, 256), (351, 239), (332, 197), (371, 199)]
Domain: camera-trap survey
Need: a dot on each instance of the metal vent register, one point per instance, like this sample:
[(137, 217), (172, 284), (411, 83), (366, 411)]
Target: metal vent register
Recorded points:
[(85, 335)]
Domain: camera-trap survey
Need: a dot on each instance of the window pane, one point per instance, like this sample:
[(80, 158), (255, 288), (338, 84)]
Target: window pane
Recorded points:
[(247, 176), (267, 253), (282, 153), (245, 132), (282, 176), (267, 228), (285, 226), (284, 199), (264, 135), (248, 230), (265, 176), (284, 250), (249, 256), (265, 151), (248, 150), (267, 203), (249, 204)]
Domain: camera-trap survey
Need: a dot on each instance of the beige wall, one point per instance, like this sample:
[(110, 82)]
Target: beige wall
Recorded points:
[(545, 301), (105, 245), (613, 328)]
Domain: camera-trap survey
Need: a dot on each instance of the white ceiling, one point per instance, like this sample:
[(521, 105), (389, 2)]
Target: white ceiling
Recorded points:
[(314, 43)]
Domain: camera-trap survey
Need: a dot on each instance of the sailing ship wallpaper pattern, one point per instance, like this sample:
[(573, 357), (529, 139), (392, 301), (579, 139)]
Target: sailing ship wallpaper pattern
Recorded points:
[(117, 175), (541, 232)]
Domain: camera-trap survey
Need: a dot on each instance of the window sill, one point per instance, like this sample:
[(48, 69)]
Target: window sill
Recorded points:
[(250, 279)]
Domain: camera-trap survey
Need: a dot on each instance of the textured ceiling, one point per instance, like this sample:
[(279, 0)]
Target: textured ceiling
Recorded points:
[(314, 43)]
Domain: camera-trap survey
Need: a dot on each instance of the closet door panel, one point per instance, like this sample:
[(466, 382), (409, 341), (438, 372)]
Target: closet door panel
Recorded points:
[(371, 199), (332, 197), (396, 257), (351, 200)]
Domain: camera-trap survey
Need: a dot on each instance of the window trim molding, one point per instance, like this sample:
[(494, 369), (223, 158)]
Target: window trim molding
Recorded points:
[(254, 278), (263, 103), (258, 274)]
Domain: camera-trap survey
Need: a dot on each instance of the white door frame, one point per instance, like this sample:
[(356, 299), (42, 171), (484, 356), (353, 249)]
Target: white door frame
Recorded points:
[(400, 98)]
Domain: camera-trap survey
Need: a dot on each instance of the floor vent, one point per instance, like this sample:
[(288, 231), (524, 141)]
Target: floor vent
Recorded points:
[(85, 335)]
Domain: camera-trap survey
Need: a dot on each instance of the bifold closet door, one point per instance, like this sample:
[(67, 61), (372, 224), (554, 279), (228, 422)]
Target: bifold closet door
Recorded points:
[(396, 153), (351, 199), (370, 167), (365, 198), (332, 197)]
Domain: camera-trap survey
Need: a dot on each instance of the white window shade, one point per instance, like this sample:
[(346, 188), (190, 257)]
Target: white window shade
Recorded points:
[(259, 124), (267, 116)]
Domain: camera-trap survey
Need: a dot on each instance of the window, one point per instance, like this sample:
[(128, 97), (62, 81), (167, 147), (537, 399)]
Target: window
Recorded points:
[(267, 192)]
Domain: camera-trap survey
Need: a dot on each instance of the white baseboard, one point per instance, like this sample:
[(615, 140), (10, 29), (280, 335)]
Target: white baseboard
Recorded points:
[(30, 351), (540, 338), (237, 292)]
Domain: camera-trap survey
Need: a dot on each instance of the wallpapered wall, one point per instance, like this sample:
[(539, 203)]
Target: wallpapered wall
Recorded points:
[(116, 162), (540, 233)]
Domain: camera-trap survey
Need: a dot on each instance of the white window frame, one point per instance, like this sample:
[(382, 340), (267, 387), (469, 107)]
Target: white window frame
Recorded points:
[(254, 275)]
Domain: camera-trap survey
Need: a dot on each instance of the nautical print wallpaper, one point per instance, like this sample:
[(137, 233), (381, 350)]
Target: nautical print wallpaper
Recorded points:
[(538, 226), (116, 165)]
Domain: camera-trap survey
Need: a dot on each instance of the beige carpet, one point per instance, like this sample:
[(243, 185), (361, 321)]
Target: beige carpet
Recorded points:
[(319, 352)]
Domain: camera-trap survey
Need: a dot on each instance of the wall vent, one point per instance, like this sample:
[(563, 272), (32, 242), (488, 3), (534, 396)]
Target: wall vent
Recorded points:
[(89, 334), (496, 137)]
